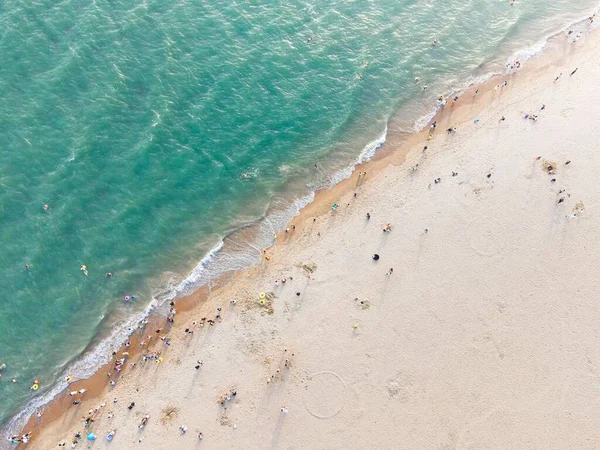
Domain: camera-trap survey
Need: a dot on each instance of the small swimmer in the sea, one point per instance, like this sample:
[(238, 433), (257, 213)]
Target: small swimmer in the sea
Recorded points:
[(245, 175), (83, 268), (435, 42), (46, 207)]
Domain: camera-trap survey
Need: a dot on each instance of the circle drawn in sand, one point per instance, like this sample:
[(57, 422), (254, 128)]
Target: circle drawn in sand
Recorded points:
[(486, 236), (325, 394)]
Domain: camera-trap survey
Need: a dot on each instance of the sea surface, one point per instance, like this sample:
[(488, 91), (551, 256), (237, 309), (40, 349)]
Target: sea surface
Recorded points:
[(171, 139)]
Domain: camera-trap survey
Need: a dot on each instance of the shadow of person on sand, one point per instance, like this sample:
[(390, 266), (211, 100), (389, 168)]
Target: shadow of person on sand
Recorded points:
[(277, 431)]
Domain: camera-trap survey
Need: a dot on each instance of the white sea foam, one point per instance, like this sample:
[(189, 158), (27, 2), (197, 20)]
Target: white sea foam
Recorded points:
[(422, 121), (365, 155), (198, 274)]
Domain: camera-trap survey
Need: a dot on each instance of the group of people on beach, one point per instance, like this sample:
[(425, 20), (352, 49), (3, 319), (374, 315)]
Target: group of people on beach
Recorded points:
[(23, 439), (149, 354)]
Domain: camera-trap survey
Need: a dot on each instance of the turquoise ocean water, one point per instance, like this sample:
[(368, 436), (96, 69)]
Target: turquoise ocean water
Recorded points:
[(155, 129)]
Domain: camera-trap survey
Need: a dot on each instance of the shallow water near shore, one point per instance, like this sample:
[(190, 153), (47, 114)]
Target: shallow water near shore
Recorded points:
[(152, 131)]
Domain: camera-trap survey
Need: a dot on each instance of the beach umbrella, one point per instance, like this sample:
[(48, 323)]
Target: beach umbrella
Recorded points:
[(91, 437)]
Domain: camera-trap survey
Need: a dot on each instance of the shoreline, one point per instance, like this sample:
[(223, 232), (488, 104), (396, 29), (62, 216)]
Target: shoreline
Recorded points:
[(394, 152)]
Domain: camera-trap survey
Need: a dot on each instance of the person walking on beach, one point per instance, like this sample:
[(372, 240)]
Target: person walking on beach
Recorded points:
[(573, 73)]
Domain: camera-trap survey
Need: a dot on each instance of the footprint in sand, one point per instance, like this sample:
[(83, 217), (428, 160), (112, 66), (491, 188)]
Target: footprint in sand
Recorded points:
[(486, 236), (325, 394), (401, 387), (567, 112)]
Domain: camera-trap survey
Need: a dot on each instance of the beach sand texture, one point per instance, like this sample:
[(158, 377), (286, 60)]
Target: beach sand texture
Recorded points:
[(483, 337)]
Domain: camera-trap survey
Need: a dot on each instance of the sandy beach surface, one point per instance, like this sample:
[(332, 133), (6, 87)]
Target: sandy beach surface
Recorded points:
[(484, 336)]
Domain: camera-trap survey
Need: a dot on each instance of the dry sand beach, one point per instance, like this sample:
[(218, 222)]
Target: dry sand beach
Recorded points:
[(482, 337)]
